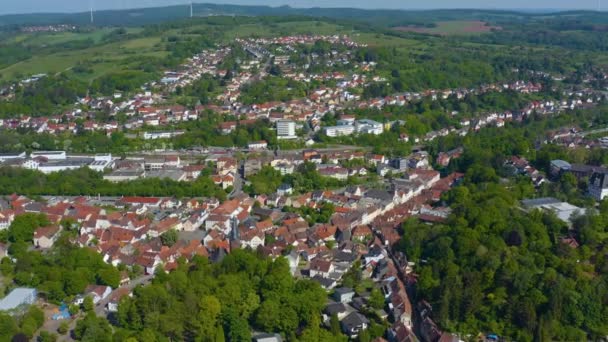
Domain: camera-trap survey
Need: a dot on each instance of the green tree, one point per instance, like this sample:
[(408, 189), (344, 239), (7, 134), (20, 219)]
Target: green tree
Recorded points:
[(88, 305), (23, 227), (46, 336), (169, 238), (376, 299)]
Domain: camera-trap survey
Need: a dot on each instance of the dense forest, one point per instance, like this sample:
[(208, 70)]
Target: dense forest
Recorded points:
[(494, 268)]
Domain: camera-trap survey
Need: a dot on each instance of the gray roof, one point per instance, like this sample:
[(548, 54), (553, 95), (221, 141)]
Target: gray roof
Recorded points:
[(382, 195), (17, 297), (268, 338), (562, 164), (354, 319), (344, 290), (335, 308), (535, 202)]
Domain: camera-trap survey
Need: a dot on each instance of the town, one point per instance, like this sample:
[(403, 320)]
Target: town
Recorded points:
[(287, 178)]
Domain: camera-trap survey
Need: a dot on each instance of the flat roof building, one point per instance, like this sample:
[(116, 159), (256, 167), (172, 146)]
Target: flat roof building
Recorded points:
[(18, 297), (563, 210)]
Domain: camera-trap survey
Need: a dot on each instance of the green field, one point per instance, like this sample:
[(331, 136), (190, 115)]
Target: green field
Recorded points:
[(452, 27), (104, 57)]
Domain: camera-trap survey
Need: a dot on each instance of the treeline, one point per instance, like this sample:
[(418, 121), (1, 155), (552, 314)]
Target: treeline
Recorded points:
[(538, 34), (225, 301), (87, 182), (203, 132)]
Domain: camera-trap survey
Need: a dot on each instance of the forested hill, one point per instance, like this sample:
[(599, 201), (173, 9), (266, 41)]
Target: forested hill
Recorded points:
[(384, 17)]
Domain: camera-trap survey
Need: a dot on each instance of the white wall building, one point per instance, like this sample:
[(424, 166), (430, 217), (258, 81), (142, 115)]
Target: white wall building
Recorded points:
[(286, 129), (50, 155), (336, 131), (8, 156)]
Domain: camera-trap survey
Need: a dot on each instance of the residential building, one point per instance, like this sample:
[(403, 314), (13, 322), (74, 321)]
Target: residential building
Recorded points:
[(336, 131), (286, 129), (344, 294), (598, 185), (353, 324), (45, 237)]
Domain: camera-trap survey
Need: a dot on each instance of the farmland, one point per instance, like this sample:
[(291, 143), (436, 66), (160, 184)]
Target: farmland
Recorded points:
[(446, 28)]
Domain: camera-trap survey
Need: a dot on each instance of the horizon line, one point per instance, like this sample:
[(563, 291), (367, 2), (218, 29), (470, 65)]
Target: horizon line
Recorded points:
[(539, 10)]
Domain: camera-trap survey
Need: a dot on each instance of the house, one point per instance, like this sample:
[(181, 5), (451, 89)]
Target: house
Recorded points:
[(338, 309), (252, 238), (321, 267), (115, 298), (361, 233), (344, 294), (285, 189), (598, 185), (353, 324), (45, 237), (98, 292), (326, 283), (153, 202)]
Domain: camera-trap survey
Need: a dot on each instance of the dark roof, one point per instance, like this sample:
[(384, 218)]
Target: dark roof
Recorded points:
[(324, 282), (344, 256), (343, 290), (355, 319), (359, 303), (382, 195), (335, 308), (582, 168), (535, 202), (599, 180)]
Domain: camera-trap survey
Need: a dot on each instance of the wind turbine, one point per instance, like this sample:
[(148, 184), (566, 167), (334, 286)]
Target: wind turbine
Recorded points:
[(191, 9), (92, 18)]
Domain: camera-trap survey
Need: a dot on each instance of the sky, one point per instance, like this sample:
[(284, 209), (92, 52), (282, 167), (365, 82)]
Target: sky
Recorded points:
[(36, 6)]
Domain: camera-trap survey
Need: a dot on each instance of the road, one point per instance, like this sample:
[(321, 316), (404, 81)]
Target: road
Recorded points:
[(595, 131), (238, 181), (100, 308)]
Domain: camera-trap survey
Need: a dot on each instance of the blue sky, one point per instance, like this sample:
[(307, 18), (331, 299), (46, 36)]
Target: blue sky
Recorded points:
[(30, 6)]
